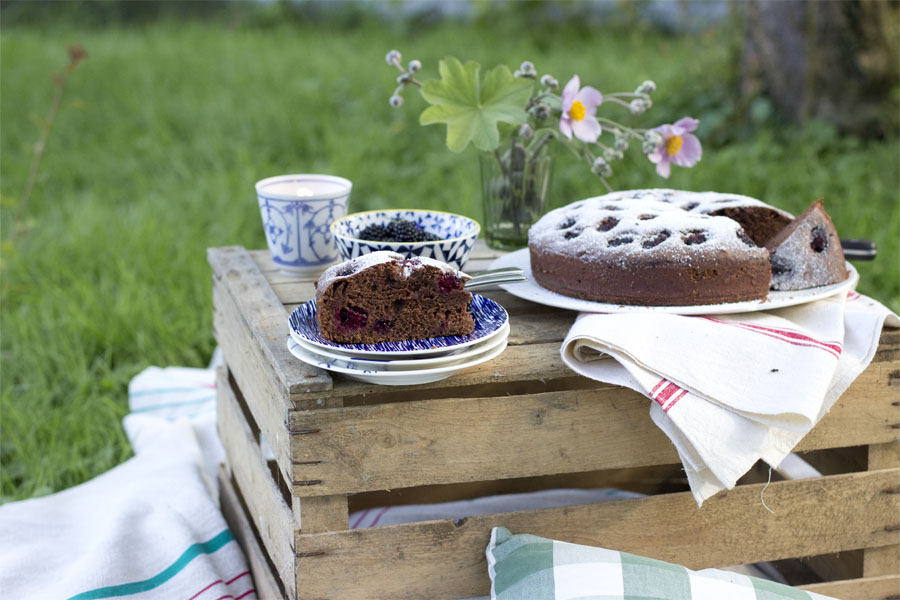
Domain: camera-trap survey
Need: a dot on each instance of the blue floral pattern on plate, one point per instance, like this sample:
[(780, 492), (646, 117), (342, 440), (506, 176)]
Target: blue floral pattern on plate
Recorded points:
[(457, 233), (489, 319)]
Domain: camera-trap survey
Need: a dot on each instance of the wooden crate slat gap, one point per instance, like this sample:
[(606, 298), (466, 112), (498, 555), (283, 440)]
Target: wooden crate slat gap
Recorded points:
[(819, 515)]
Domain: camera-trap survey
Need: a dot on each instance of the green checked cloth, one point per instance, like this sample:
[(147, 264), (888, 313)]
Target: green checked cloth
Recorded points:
[(527, 567)]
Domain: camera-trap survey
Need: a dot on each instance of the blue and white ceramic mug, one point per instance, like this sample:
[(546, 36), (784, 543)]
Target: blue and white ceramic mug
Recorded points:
[(297, 213)]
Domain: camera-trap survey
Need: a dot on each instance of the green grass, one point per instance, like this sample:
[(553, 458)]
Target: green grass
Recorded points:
[(165, 128)]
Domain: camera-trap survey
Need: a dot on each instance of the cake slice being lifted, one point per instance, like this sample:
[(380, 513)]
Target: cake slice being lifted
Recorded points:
[(384, 297), (807, 253)]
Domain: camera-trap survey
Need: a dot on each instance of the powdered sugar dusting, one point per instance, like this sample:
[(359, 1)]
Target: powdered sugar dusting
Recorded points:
[(797, 265), (361, 263), (665, 223)]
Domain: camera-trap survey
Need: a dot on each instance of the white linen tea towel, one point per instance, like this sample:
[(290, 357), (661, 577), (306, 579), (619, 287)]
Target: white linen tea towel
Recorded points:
[(729, 390)]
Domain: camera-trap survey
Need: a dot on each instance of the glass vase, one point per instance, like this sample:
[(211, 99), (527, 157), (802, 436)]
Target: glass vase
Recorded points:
[(515, 179)]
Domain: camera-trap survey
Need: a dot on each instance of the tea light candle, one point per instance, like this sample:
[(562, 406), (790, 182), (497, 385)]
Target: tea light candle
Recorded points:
[(303, 186)]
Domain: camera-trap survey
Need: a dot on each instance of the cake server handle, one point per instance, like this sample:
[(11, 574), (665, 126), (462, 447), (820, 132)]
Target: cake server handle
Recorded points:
[(857, 249)]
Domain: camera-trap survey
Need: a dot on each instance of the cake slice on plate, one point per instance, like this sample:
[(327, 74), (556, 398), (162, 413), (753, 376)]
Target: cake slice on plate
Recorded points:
[(384, 297), (807, 253)]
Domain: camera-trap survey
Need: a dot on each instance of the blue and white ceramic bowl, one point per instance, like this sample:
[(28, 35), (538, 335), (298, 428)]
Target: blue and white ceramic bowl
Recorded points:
[(457, 233), (297, 213)]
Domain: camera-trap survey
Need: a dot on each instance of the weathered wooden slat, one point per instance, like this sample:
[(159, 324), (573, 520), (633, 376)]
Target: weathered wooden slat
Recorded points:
[(521, 369), (264, 318), (882, 587), (265, 581), (267, 401), (270, 513), (403, 444), (445, 559), (885, 560)]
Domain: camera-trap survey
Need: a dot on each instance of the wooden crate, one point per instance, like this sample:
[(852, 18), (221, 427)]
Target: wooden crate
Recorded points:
[(520, 422)]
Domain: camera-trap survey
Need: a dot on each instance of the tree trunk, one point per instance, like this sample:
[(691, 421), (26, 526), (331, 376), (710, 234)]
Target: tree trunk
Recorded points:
[(837, 61)]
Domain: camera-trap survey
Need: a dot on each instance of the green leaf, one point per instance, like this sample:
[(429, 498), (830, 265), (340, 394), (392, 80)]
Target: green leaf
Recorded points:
[(471, 109)]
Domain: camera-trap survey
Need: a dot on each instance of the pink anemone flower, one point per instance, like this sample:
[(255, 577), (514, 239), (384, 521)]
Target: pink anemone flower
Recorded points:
[(678, 146), (578, 109)]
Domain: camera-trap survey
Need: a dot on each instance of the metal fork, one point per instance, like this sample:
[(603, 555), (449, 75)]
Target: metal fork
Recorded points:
[(495, 276)]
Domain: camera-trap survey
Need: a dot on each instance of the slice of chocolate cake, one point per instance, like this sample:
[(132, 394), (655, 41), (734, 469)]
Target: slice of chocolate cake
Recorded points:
[(807, 253), (384, 297)]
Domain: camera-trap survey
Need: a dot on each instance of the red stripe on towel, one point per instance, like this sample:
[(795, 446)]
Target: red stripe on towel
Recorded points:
[(206, 588), (786, 335), (247, 593), (669, 395), (361, 517), (236, 577), (674, 400), (217, 581), (853, 295), (378, 517)]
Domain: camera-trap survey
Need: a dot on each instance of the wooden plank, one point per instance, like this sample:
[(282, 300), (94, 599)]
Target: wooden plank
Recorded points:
[(885, 560), (867, 588), (445, 559), (264, 396), (265, 581), (404, 444), (536, 368), (267, 509), (264, 317), (317, 514)]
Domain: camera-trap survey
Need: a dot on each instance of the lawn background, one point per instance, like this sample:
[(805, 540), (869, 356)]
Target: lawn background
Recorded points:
[(169, 122)]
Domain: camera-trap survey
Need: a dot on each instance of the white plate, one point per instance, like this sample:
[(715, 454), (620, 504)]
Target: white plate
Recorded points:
[(489, 320), (531, 290), (381, 377), (414, 363)]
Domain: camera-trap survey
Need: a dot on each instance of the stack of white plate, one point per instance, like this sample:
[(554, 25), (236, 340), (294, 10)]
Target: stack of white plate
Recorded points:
[(409, 362)]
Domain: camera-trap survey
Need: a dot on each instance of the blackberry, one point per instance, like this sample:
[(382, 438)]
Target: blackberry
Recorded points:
[(398, 230)]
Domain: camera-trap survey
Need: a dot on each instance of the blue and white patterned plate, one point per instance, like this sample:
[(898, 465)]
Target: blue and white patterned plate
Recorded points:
[(373, 374), (489, 320), (414, 363)]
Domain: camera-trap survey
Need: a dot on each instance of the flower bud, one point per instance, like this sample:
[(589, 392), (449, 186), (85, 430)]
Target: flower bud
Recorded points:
[(611, 154), (648, 87), (527, 68), (653, 137), (621, 143), (404, 79), (542, 112), (601, 168), (518, 74), (525, 131), (652, 141), (549, 81), (396, 101), (415, 66), (639, 105), (393, 57)]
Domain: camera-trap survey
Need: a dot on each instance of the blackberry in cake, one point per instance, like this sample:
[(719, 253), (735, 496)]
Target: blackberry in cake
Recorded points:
[(656, 247), (808, 252), (384, 297)]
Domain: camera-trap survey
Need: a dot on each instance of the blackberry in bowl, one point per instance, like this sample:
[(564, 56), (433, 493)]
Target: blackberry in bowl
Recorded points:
[(443, 236)]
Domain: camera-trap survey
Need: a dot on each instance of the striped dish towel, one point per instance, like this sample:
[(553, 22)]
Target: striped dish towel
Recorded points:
[(527, 567), (729, 390), (148, 528)]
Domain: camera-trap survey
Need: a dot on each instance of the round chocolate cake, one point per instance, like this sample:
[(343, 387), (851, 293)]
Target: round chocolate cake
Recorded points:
[(657, 248)]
